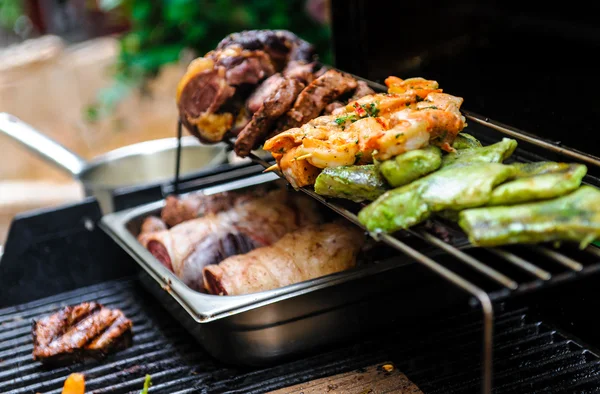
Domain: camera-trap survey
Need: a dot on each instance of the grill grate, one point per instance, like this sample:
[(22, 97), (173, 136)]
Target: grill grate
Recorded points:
[(529, 355)]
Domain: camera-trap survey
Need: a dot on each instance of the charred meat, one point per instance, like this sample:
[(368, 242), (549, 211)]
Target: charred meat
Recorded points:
[(281, 45), (76, 332), (267, 88), (275, 105), (313, 100), (211, 94), (362, 89)]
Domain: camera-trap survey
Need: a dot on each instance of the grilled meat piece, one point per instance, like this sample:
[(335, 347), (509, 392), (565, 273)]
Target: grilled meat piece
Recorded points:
[(314, 98), (190, 246), (275, 105), (201, 93), (332, 107), (211, 94), (307, 253), (243, 67), (281, 45), (300, 70), (179, 209), (77, 332), (362, 89), (152, 224), (268, 87)]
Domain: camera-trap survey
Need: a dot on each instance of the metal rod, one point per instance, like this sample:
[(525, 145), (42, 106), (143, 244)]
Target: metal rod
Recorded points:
[(533, 140), (522, 263), (469, 260), (178, 157), (593, 250), (482, 297), (559, 257)]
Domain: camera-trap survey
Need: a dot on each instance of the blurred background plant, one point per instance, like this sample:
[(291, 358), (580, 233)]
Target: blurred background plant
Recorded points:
[(13, 21), (161, 30)]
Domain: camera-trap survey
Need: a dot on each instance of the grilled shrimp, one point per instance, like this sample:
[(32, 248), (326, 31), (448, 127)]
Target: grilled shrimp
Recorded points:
[(379, 104), (420, 86)]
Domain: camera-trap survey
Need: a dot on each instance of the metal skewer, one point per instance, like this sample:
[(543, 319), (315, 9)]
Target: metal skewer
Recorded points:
[(178, 157)]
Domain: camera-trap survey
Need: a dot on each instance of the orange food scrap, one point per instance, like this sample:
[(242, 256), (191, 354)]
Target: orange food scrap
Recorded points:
[(74, 384)]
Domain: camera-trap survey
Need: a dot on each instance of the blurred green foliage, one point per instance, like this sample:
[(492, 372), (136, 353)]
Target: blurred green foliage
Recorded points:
[(10, 11), (161, 29)]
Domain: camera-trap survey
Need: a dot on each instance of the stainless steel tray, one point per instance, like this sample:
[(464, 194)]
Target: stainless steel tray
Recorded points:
[(266, 326)]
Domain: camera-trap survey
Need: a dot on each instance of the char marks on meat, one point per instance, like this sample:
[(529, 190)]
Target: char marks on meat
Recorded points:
[(300, 70), (281, 45), (275, 105), (263, 91), (314, 98), (76, 332)]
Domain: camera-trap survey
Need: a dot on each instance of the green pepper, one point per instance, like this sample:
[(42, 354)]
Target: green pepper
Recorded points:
[(411, 165)]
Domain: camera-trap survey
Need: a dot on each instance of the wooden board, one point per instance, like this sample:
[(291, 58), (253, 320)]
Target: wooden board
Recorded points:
[(376, 379)]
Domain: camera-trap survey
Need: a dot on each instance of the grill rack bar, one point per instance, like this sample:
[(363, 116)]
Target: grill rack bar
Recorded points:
[(524, 136)]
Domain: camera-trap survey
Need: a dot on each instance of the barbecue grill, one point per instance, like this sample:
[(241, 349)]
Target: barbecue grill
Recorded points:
[(453, 318)]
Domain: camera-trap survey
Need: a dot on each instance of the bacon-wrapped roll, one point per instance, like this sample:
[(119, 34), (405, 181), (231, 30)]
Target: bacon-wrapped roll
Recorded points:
[(307, 253), (188, 247)]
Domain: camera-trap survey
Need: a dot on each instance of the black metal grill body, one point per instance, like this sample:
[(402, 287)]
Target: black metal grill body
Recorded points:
[(439, 353), (544, 340)]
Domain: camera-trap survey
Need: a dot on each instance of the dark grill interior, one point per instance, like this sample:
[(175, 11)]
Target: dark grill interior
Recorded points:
[(530, 356)]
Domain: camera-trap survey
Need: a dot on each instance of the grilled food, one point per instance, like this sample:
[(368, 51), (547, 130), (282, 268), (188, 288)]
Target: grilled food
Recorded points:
[(256, 84), (375, 127), (573, 217), (538, 181), (188, 247), (74, 384), (211, 93), (464, 182), (179, 209), (313, 100), (356, 183), (307, 253), (77, 332), (275, 105), (409, 166), (362, 89)]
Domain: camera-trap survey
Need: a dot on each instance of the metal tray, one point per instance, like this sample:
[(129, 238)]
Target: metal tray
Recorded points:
[(264, 327)]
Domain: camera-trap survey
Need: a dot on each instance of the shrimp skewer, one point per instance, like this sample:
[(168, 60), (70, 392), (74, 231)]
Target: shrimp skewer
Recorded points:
[(374, 127)]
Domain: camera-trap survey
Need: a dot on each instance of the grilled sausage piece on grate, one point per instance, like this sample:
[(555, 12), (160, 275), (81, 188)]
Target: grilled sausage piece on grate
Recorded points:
[(76, 332)]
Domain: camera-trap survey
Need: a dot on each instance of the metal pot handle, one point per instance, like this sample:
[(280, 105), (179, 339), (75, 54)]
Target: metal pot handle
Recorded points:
[(42, 145)]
